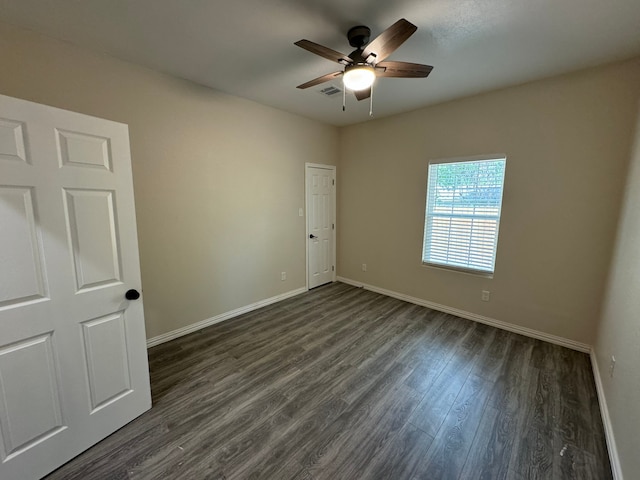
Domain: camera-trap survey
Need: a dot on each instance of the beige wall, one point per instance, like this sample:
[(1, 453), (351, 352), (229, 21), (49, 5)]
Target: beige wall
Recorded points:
[(567, 141), (218, 180), (619, 332)]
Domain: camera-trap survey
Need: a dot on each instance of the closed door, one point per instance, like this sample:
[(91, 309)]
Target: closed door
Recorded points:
[(320, 186), (73, 362)]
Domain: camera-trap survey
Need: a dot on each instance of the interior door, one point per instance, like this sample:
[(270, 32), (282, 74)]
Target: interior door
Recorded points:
[(73, 361), (320, 186)]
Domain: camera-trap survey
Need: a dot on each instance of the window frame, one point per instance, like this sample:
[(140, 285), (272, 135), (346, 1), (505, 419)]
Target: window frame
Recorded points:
[(456, 268)]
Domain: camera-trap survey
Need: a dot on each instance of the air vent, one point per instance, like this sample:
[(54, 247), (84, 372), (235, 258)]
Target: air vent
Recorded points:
[(330, 91)]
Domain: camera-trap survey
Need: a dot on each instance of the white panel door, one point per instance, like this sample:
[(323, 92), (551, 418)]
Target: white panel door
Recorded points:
[(73, 360), (320, 224)]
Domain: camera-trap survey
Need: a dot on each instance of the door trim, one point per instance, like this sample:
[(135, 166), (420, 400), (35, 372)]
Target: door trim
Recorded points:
[(333, 168)]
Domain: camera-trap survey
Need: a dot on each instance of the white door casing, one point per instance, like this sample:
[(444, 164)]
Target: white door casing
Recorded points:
[(73, 360), (321, 219)]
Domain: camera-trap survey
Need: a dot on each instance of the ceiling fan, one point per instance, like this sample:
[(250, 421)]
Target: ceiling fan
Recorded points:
[(366, 62)]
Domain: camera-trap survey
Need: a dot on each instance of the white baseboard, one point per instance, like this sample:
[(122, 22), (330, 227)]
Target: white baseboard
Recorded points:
[(616, 469), (527, 332), (165, 337)]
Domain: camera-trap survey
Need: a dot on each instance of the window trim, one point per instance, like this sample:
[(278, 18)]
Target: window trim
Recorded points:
[(454, 268)]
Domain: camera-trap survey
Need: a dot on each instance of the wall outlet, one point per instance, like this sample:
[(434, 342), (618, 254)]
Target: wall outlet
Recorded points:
[(612, 366), (486, 294), (283, 276), (364, 267), (300, 213)]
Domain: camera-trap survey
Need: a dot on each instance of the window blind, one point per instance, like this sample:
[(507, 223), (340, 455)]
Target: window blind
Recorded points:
[(464, 201)]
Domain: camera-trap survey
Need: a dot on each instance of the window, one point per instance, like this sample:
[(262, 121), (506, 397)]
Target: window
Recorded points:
[(464, 198)]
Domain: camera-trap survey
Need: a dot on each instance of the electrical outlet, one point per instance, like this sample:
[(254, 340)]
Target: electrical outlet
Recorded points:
[(283, 276), (364, 267), (300, 213), (612, 366), (486, 294)]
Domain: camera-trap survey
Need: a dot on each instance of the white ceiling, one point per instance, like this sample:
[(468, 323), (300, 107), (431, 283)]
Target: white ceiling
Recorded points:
[(245, 47)]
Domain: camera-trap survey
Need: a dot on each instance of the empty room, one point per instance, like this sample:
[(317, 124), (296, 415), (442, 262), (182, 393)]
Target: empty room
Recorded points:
[(319, 240)]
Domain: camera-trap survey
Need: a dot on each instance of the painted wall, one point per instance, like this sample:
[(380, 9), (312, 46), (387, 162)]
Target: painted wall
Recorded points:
[(218, 180), (567, 141), (619, 332)]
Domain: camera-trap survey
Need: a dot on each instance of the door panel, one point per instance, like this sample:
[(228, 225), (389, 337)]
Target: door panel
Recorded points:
[(28, 366), (93, 237), (105, 341), (12, 141), (22, 273), (81, 150), (73, 363)]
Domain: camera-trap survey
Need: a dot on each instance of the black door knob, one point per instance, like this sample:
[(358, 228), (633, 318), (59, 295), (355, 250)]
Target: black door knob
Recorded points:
[(132, 294), (311, 235)]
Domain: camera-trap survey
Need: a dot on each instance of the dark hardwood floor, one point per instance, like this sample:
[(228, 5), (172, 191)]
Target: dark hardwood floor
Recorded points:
[(343, 383)]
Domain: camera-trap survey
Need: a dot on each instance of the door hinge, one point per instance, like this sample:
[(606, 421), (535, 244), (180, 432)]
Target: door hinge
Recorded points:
[(333, 182), (333, 226), (333, 269)]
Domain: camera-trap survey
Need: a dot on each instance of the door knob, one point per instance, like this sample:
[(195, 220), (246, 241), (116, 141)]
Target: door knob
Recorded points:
[(311, 235), (132, 294)]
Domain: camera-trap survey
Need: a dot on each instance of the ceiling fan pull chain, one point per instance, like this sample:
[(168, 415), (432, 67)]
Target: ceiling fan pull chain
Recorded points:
[(371, 102), (344, 98)]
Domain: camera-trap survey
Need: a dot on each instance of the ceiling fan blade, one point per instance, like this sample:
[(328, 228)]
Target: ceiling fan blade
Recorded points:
[(402, 70), (319, 80), (362, 94), (387, 42), (325, 52)]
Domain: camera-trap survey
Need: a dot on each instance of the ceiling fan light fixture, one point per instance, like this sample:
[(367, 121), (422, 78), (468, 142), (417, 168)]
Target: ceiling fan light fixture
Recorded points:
[(358, 77)]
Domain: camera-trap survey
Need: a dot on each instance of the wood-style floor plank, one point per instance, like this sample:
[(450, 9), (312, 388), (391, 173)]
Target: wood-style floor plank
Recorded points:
[(401, 456), (450, 448), (490, 452), (343, 383)]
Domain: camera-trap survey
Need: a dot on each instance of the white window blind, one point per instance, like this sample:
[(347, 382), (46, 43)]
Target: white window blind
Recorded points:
[(464, 199)]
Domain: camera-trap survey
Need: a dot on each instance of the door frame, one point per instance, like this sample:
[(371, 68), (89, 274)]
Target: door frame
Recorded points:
[(333, 168)]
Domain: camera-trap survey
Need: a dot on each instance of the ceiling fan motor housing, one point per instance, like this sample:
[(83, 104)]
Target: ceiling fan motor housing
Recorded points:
[(359, 36)]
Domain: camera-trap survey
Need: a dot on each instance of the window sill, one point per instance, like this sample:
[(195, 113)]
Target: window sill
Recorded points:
[(466, 271)]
